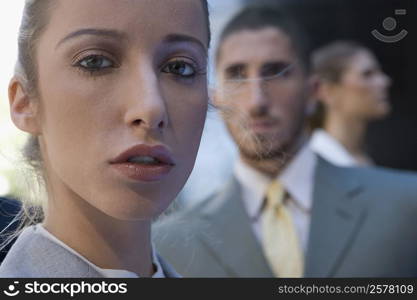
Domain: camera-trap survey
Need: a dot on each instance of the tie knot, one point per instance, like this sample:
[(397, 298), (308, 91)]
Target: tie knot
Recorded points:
[(275, 194)]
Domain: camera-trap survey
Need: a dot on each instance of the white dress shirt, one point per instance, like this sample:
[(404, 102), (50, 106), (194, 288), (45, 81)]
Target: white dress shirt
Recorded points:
[(331, 149), (297, 179), (107, 273)]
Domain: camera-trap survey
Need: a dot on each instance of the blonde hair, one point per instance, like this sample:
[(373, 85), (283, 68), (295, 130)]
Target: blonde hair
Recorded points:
[(329, 63), (34, 20)]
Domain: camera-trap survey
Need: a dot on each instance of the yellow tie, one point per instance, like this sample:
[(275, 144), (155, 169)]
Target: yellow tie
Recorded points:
[(281, 244)]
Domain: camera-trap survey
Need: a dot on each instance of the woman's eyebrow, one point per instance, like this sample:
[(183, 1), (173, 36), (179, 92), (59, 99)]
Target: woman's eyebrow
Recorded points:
[(93, 31), (178, 38)]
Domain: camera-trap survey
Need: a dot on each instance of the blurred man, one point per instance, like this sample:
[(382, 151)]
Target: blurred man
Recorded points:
[(286, 212)]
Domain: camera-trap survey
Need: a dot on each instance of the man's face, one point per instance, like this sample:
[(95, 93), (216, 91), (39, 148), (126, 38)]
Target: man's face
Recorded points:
[(261, 92)]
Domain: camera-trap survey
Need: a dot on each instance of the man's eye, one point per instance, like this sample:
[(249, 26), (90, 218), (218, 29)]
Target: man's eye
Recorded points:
[(276, 70), (95, 62), (236, 72), (179, 68)]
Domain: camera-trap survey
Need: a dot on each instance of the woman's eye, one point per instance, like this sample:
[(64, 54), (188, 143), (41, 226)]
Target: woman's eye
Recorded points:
[(180, 68), (369, 73), (95, 62)]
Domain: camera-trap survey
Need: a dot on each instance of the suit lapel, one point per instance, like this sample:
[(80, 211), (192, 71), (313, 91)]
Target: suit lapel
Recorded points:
[(336, 217), (231, 238)]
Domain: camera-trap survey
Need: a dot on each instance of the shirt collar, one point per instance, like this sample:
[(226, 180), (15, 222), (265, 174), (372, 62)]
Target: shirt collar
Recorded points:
[(330, 149), (253, 184), (298, 177)]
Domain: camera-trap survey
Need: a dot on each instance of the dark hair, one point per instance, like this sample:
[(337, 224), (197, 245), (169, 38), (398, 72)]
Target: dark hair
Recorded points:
[(329, 64), (259, 17), (207, 14)]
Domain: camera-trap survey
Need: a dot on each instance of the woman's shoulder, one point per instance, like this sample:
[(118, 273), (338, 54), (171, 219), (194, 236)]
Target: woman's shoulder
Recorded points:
[(34, 255), (14, 263)]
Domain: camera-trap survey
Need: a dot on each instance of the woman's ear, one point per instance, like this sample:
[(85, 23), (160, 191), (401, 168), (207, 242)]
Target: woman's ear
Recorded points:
[(23, 109), (325, 92)]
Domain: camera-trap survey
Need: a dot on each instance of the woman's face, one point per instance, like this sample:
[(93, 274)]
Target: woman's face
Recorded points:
[(363, 90), (115, 75)]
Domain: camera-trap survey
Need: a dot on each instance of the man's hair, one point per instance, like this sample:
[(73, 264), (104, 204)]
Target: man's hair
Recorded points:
[(259, 17)]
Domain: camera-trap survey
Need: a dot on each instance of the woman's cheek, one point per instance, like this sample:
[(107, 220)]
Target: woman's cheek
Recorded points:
[(190, 124), (192, 118), (186, 101)]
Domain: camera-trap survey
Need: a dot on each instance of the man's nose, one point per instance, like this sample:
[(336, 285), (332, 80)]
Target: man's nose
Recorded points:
[(146, 105), (257, 93)]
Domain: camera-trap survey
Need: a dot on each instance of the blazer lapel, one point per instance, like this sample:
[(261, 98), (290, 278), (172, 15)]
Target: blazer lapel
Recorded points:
[(336, 217), (231, 237)]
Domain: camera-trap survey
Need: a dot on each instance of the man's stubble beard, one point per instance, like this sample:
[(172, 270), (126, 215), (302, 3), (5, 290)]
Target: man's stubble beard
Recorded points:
[(261, 148)]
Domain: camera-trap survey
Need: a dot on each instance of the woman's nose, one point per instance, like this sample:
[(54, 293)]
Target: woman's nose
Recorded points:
[(383, 80), (387, 80), (146, 106)]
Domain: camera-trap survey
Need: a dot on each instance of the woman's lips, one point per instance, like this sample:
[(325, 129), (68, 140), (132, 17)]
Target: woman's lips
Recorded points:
[(141, 171)]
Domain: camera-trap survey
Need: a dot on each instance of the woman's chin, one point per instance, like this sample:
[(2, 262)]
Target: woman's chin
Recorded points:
[(381, 110), (132, 209)]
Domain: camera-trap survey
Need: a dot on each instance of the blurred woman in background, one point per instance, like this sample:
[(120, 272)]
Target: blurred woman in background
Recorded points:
[(352, 91)]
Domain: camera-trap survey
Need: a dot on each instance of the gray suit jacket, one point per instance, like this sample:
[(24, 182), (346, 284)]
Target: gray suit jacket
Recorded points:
[(35, 256), (363, 224)]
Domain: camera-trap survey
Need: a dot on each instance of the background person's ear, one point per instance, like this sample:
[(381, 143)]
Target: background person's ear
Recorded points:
[(23, 109), (220, 103), (211, 99), (312, 94), (324, 91), (217, 98), (215, 94)]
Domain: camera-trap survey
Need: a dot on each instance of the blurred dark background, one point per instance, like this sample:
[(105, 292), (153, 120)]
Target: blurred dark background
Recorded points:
[(391, 142)]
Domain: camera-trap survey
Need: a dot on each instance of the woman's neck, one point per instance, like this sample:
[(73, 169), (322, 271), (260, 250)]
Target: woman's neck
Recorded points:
[(105, 241), (348, 131)]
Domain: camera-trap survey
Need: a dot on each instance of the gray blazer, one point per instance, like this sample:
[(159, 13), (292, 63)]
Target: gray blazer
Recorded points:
[(363, 224), (35, 256)]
